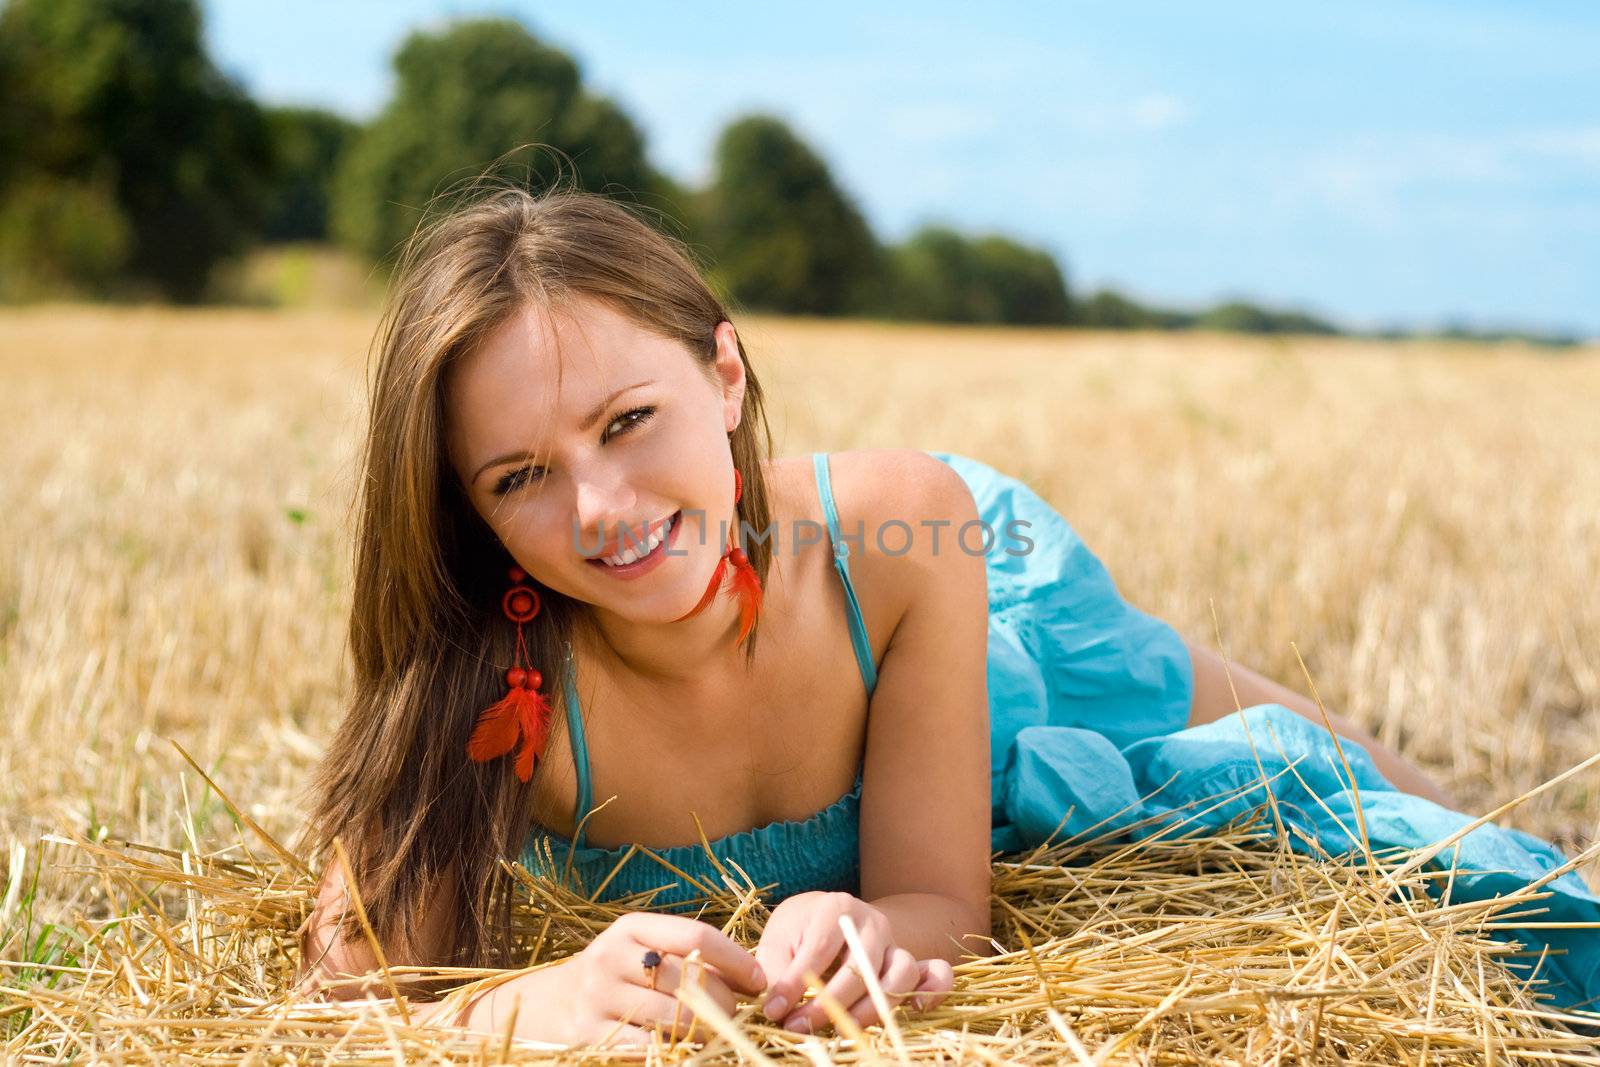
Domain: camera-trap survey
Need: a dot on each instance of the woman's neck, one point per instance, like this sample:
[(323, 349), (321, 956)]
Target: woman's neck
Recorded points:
[(665, 656)]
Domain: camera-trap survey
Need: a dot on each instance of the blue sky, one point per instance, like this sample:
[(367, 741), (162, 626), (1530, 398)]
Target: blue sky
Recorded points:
[(1377, 163)]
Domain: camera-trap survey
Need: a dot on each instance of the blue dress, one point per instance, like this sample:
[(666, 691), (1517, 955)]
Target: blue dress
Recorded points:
[(1089, 698)]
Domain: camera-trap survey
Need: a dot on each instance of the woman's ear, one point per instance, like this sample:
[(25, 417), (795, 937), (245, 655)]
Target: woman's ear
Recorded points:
[(730, 372)]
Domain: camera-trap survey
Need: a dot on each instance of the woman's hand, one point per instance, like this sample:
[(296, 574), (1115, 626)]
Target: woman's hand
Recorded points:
[(803, 934), (608, 997)]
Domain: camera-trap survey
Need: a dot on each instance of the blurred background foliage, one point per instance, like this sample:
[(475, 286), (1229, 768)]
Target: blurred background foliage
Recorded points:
[(132, 169), (128, 163)]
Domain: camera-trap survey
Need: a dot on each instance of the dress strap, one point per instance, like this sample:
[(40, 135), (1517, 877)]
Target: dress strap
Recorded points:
[(841, 552), (580, 747)]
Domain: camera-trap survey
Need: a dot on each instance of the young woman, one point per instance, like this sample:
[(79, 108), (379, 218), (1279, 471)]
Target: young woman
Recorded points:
[(580, 574)]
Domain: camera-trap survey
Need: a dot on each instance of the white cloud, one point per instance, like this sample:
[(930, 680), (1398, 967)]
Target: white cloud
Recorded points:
[(1579, 144), (1150, 112), (937, 122), (1159, 111), (1385, 179)]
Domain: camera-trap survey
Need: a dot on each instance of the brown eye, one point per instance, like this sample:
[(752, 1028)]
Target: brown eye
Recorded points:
[(514, 480), (518, 478), (644, 414)]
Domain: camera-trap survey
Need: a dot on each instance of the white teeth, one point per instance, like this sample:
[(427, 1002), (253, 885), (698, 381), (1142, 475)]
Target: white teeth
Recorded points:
[(632, 555)]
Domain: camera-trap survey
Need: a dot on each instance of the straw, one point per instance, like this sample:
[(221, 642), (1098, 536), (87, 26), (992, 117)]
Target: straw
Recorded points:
[(1220, 946)]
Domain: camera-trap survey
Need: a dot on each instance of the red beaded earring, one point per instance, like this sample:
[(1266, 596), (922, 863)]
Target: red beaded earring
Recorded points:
[(746, 583), (523, 711)]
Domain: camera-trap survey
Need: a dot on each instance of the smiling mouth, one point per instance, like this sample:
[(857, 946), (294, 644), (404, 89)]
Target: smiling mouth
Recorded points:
[(669, 524)]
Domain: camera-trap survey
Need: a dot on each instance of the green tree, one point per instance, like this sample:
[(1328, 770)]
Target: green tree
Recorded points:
[(306, 146), (935, 276), (60, 238), (941, 275), (1027, 284), (1108, 309), (465, 97), (783, 234), (1236, 316), (111, 109)]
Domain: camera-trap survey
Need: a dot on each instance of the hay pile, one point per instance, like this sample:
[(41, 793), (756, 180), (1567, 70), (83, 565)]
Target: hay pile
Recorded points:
[(1225, 948)]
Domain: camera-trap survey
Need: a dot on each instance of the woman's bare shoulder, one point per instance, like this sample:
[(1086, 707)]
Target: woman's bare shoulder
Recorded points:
[(885, 484), (870, 484), (892, 504), (874, 490)]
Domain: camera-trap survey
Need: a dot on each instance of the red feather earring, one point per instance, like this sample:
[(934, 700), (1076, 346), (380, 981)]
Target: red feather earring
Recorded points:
[(746, 583), (522, 712)]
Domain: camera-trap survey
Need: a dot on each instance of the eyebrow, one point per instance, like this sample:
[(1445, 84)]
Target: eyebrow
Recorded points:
[(588, 423)]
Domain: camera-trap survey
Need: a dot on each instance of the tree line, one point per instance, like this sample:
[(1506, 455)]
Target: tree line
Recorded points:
[(130, 167)]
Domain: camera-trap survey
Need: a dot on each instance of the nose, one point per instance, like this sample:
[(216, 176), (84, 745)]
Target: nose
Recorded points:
[(602, 508)]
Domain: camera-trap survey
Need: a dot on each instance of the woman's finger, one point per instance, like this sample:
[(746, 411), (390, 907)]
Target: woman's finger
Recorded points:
[(654, 1011), (899, 980), (625, 1035), (680, 935), (847, 984), (648, 1008), (819, 946), (936, 979), (845, 987), (773, 955)]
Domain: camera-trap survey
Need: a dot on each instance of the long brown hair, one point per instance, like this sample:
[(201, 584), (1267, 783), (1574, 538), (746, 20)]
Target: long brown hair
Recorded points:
[(428, 639)]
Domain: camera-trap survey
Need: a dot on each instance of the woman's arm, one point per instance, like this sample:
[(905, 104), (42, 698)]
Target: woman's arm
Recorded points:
[(327, 958), (1214, 698), (925, 811)]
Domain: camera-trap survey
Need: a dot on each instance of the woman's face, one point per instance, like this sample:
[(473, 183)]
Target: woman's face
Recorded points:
[(571, 429)]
